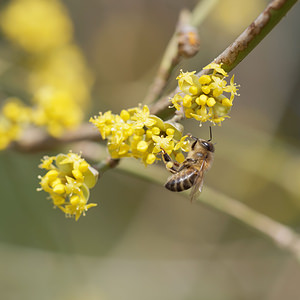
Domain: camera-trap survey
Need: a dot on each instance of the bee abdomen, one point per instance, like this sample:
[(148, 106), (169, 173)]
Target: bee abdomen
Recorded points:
[(180, 182)]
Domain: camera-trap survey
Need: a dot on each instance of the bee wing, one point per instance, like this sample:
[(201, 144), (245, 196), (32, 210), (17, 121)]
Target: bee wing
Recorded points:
[(197, 187)]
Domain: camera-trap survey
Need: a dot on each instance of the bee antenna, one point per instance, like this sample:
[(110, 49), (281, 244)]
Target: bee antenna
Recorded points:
[(210, 134)]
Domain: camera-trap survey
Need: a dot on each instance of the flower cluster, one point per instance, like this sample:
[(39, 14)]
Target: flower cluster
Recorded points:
[(57, 78), (36, 25), (68, 180), (203, 98), (13, 117), (137, 133)]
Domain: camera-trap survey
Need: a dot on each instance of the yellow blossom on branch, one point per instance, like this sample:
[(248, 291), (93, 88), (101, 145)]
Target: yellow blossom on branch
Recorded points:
[(137, 133), (59, 81), (68, 180), (13, 117), (56, 110), (203, 98)]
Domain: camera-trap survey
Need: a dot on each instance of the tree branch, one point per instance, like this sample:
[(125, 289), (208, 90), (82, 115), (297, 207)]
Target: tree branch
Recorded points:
[(36, 139), (184, 43), (241, 47), (281, 235)]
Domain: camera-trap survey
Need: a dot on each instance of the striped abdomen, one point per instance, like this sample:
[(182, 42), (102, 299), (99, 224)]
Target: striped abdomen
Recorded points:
[(182, 181)]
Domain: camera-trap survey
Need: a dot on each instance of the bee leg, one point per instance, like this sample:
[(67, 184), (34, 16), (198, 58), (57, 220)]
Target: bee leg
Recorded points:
[(195, 140), (171, 165), (191, 160)]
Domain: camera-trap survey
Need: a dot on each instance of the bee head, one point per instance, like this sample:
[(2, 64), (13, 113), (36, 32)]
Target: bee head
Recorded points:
[(206, 144), (199, 143)]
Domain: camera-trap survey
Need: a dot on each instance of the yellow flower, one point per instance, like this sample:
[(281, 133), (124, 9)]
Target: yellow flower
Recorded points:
[(36, 25), (165, 143), (68, 182), (63, 69), (203, 98), (56, 110), (137, 133), (58, 78), (183, 144), (141, 118), (14, 117)]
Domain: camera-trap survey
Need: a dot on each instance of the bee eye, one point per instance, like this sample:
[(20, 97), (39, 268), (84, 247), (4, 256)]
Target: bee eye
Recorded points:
[(205, 145), (208, 146)]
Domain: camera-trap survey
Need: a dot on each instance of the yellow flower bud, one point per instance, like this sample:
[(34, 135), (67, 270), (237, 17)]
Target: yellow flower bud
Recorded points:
[(77, 174), (156, 130), (142, 146), (51, 175), (125, 115), (193, 90), (170, 131), (139, 131), (55, 182), (201, 100), (188, 113), (150, 158), (205, 79), (75, 199), (83, 167), (217, 92), (59, 189), (187, 101), (205, 89), (211, 102), (226, 102)]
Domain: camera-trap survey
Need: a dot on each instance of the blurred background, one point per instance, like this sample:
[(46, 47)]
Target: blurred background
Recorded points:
[(142, 241)]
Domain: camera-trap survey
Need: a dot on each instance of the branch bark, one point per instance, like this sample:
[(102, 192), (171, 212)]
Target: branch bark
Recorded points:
[(241, 47)]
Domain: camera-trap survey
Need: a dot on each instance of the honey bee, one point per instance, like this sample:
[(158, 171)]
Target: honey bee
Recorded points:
[(190, 173)]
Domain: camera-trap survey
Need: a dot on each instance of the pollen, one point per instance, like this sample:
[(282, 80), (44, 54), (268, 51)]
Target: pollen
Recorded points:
[(180, 157), (169, 165)]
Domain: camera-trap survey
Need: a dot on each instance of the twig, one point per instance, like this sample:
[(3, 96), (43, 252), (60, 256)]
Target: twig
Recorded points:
[(243, 45), (36, 139), (281, 235), (184, 43)]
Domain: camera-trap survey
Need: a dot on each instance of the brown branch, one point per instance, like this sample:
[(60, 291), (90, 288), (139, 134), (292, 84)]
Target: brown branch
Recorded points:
[(241, 47), (36, 139), (184, 43), (171, 58)]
